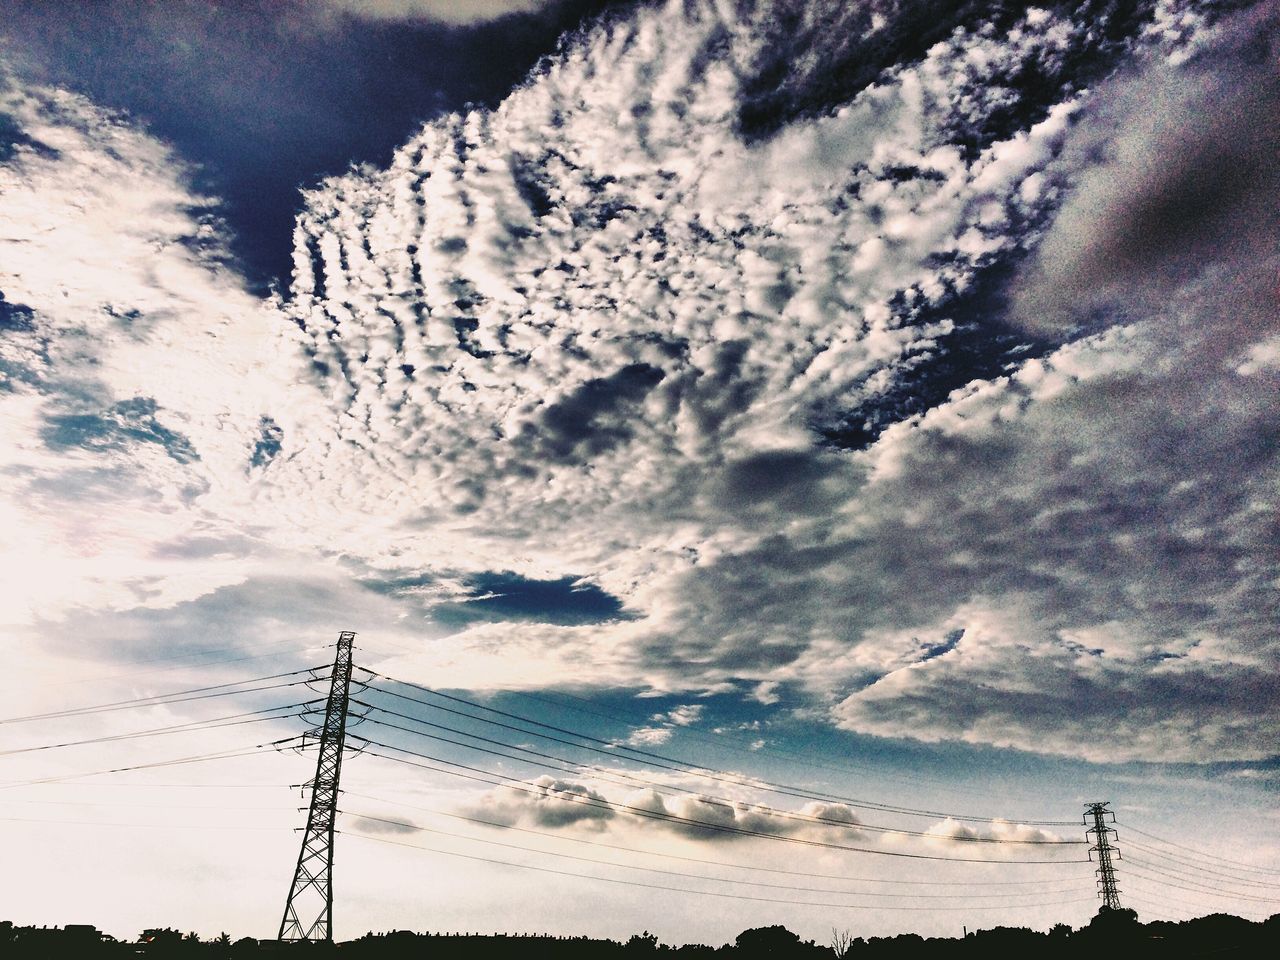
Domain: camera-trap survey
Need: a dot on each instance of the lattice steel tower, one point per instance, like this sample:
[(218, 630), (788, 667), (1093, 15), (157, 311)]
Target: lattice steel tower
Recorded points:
[(312, 890), (1101, 835)]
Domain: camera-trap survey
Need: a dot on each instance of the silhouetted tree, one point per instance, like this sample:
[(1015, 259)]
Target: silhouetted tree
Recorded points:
[(642, 943)]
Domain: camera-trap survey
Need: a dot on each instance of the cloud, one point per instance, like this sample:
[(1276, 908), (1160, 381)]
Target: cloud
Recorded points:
[(444, 11), (136, 368), (755, 385), (734, 821), (684, 715), (649, 736), (563, 804), (543, 313), (1173, 167), (599, 324), (951, 833), (548, 802), (382, 827)]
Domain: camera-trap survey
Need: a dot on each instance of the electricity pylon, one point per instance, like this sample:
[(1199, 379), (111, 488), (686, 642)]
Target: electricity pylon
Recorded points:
[(1101, 835), (312, 890)]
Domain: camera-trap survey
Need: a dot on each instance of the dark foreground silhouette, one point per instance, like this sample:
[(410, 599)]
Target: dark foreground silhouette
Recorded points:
[(1116, 933)]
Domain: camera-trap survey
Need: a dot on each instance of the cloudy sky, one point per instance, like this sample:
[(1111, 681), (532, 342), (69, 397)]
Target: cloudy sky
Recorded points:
[(839, 438)]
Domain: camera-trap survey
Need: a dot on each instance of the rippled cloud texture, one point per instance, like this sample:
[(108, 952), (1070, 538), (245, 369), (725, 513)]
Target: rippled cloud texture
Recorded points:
[(931, 381)]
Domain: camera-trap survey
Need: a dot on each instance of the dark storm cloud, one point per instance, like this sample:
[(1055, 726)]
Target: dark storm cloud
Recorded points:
[(592, 419), (1184, 171)]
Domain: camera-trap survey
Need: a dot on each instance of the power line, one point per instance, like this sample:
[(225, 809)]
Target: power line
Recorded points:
[(146, 826), (1169, 882), (571, 767), (516, 784), (138, 784), (700, 876), (273, 746), (1157, 910), (232, 720), (660, 760), (1249, 868), (1182, 866), (162, 699), (134, 674), (1157, 889), (739, 745), (148, 806), (704, 893), (675, 856)]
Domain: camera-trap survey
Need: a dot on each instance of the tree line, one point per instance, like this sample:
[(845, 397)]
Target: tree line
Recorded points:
[(1110, 933)]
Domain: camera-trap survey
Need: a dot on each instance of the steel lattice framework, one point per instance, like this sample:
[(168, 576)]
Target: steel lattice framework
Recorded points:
[(1101, 835), (312, 890)]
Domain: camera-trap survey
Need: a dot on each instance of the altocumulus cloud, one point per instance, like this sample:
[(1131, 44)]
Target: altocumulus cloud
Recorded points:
[(576, 805), (709, 339), (587, 807)]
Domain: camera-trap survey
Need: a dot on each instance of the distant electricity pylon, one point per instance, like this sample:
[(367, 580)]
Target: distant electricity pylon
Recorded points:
[(312, 890), (1101, 835)]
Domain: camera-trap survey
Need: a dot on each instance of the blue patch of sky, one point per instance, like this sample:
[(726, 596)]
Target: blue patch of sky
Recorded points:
[(946, 646), (950, 777), (13, 138), (15, 316), (496, 596), (117, 428), (981, 346), (270, 438)]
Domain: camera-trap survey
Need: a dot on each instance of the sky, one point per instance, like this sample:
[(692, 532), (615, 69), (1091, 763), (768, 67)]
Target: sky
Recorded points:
[(819, 446)]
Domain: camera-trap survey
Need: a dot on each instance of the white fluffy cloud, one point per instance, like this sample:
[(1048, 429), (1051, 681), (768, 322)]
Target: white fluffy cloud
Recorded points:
[(654, 322), (136, 369), (679, 811)]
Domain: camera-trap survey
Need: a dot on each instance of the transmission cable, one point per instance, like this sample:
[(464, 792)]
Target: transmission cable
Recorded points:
[(134, 674), (147, 826), (193, 726), (702, 876), (572, 767), (681, 766), (161, 699), (260, 748), (739, 745), (704, 893), (702, 860), (1168, 899), (1181, 866), (1194, 889), (1197, 853), (520, 785), (1156, 887)]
